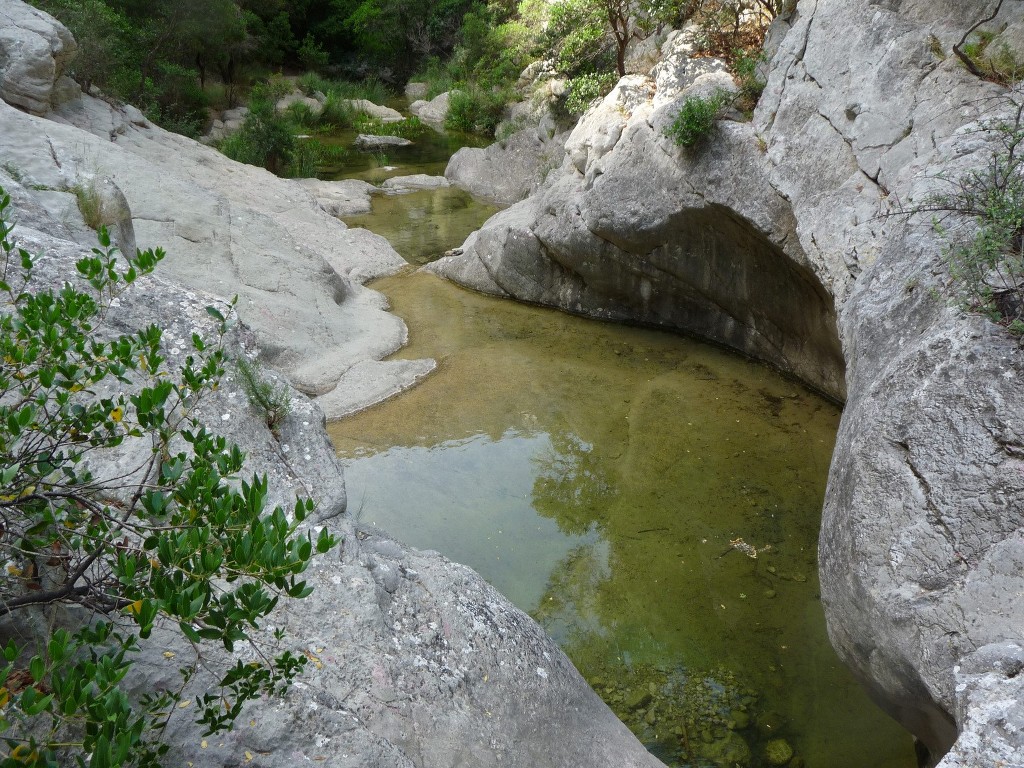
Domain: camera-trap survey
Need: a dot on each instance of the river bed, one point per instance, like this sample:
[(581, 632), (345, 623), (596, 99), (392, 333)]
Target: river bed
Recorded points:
[(652, 501)]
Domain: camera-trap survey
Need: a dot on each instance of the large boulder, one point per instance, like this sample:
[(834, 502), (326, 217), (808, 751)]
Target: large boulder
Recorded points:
[(34, 50), (434, 111), (507, 171), (786, 237)]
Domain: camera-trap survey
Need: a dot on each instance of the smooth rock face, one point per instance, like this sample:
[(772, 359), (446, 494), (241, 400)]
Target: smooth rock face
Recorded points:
[(230, 229), (369, 143), (34, 49), (922, 537), (507, 172), (400, 185), (433, 111), (384, 114), (621, 234)]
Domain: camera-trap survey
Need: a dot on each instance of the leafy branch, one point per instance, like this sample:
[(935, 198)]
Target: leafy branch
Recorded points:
[(174, 539)]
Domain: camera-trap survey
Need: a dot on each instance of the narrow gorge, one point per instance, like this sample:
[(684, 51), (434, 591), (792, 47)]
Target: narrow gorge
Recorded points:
[(787, 236)]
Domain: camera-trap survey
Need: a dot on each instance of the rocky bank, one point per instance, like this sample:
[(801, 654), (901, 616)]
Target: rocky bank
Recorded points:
[(415, 661), (777, 236)]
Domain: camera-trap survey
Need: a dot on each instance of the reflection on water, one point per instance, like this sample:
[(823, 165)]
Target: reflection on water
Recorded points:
[(616, 484), (422, 225), (429, 153)]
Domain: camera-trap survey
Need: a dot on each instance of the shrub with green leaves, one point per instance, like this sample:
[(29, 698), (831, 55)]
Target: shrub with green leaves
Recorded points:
[(475, 110), (697, 117), (586, 89), (981, 216), (97, 554)]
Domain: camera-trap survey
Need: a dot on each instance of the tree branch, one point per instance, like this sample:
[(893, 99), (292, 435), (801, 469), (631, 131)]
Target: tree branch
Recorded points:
[(974, 69)]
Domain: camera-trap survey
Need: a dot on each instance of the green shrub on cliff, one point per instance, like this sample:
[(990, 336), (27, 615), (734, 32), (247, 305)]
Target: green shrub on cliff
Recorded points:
[(697, 117), (98, 553), (981, 217)]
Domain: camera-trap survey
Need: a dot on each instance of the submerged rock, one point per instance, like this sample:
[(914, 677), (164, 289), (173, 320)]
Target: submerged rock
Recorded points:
[(778, 752)]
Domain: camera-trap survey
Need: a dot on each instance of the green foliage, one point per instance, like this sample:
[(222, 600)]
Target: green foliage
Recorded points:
[(697, 117), (475, 110), (273, 402), (409, 128), (172, 539), (266, 138), (744, 67), (311, 156), (311, 54), (982, 221), (995, 62), (586, 89)]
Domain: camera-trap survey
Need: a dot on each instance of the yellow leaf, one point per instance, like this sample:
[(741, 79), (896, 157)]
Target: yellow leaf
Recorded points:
[(4, 696), (117, 414), (169, 654), (14, 570), (203, 744), (134, 607), (248, 756), (184, 704)]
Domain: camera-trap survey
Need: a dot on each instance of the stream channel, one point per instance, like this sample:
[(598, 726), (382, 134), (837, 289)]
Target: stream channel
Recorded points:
[(652, 501)]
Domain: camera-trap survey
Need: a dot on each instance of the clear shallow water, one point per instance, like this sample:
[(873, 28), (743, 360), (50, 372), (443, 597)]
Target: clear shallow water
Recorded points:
[(422, 225), (429, 154), (606, 479)]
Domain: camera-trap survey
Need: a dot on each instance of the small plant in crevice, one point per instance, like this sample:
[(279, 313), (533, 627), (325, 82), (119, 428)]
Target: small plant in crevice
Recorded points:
[(89, 204), (981, 218), (272, 401), (744, 66), (976, 52), (697, 117)]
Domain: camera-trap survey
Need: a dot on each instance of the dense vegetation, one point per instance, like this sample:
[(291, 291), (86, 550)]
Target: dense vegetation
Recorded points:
[(177, 58)]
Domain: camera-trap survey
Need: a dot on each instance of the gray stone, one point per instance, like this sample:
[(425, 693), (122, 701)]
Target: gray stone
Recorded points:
[(348, 197), (369, 143), (376, 111), (509, 170), (34, 50), (316, 106), (433, 111), (399, 185), (416, 91)]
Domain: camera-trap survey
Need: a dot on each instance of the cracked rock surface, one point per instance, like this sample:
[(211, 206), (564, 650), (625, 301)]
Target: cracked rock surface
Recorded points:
[(777, 237)]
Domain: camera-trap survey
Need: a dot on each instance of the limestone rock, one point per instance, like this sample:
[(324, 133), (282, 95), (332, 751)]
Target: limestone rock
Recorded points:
[(348, 197), (34, 50), (416, 91), (508, 171), (399, 185), (316, 106), (433, 111), (376, 111), (369, 143)]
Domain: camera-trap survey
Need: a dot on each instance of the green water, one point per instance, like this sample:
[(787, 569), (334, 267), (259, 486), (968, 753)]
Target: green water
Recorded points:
[(596, 475), (429, 154), (613, 482), (422, 225)]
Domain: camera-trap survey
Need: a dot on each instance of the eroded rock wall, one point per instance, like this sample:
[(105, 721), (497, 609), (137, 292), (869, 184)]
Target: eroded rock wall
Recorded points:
[(782, 237)]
